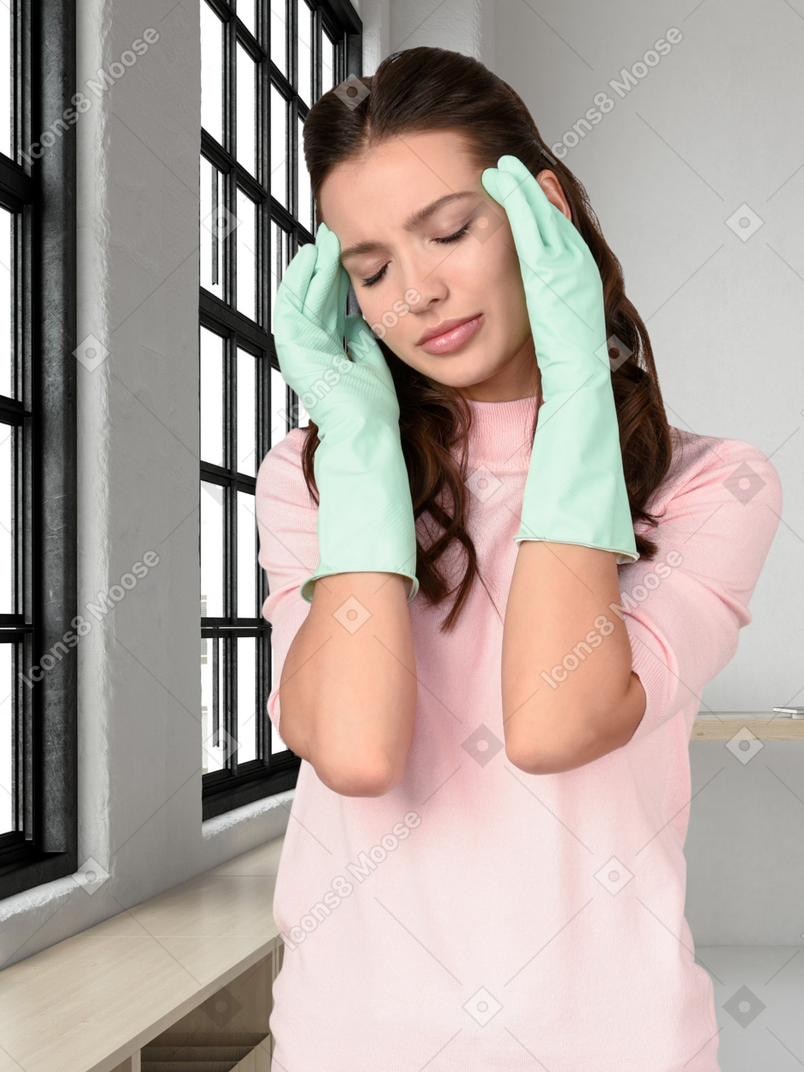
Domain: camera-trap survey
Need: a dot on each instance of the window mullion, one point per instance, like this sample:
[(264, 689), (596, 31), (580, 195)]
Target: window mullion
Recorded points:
[(231, 704), (293, 112), (315, 59)]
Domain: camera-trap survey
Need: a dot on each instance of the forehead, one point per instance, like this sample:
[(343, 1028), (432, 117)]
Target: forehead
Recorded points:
[(396, 177)]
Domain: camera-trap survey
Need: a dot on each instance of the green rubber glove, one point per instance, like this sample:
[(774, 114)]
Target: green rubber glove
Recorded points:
[(365, 513), (575, 488)]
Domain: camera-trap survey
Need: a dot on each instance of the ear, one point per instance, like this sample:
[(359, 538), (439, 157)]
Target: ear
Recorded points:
[(552, 188)]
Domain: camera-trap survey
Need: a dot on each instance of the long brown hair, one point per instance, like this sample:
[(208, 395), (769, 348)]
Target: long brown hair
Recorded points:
[(425, 89)]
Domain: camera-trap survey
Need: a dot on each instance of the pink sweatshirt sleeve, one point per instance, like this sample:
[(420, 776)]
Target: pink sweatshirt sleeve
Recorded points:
[(719, 509), (288, 552)]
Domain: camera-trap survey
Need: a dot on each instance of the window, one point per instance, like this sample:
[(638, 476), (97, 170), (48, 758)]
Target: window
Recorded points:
[(38, 603), (256, 209)]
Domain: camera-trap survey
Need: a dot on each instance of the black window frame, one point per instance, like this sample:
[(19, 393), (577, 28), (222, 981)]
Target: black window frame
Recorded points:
[(39, 186), (267, 775)]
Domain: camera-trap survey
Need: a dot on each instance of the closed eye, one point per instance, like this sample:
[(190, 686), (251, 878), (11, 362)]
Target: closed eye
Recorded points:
[(451, 238)]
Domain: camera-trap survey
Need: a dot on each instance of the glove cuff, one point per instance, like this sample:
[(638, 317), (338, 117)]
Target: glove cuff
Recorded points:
[(365, 513), (575, 490)]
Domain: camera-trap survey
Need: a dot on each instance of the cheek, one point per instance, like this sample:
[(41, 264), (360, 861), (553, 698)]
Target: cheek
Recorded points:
[(507, 257), (497, 260), (375, 311), (512, 307), (510, 271)]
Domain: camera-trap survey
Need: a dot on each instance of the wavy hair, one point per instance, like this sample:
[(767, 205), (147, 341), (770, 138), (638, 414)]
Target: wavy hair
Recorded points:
[(426, 89)]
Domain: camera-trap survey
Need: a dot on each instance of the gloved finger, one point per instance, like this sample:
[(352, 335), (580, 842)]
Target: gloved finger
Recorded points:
[(334, 283), (295, 281), (319, 300), (529, 195), (528, 240)]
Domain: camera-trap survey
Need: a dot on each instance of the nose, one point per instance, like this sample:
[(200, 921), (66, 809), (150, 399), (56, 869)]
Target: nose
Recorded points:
[(423, 281)]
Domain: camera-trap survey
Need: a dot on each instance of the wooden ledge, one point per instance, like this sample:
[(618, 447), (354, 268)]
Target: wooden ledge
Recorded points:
[(89, 1002), (766, 725)]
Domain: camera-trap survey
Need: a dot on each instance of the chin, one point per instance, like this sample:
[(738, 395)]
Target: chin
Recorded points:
[(453, 370), (466, 374)]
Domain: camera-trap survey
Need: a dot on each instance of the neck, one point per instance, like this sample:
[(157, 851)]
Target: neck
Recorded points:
[(526, 383)]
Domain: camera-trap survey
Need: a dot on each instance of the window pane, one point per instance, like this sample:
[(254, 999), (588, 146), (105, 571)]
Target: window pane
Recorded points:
[(211, 419), (246, 109), (305, 192), (213, 753), (278, 36), (212, 228), (212, 549), (7, 520), (6, 75), (246, 236), (279, 126), (246, 413), (211, 72), (245, 11), (6, 741), (305, 44), (327, 63), (246, 556), (6, 292), (279, 424), (246, 699)]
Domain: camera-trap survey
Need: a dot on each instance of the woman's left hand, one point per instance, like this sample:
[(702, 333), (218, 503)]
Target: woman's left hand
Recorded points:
[(563, 288), (575, 490)]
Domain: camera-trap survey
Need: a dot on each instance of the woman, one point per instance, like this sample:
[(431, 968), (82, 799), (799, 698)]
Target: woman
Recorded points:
[(498, 583)]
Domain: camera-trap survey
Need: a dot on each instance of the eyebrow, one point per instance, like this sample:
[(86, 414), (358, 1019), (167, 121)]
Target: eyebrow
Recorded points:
[(416, 219)]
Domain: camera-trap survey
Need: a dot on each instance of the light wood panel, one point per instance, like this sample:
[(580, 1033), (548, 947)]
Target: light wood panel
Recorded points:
[(765, 725), (259, 1060), (133, 1064), (223, 1032), (88, 1003)]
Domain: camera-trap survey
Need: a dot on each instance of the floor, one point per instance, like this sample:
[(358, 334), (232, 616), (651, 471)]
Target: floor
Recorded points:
[(759, 1002)]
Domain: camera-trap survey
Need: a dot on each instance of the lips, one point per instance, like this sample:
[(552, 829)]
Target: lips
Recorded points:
[(450, 334)]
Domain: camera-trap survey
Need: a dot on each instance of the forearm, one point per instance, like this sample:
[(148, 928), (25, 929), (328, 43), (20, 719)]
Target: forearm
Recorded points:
[(566, 658), (348, 699)]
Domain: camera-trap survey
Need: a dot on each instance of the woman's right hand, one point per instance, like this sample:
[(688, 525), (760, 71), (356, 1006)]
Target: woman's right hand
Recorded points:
[(365, 511), (310, 325)]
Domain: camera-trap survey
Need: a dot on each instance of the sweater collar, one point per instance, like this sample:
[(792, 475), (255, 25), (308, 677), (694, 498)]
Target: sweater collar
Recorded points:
[(500, 434)]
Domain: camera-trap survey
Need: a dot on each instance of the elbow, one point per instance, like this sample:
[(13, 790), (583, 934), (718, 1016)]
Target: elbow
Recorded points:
[(344, 761), (528, 761), (527, 757), (350, 776), (358, 780), (554, 750), (576, 741)]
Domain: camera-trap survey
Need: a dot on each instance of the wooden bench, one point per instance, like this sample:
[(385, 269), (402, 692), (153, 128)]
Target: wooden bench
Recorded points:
[(183, 980)]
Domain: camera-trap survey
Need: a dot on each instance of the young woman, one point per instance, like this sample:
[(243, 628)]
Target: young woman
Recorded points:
[(498, 583)]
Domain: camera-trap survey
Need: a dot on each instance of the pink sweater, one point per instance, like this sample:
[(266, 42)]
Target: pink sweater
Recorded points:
[(477, 918)]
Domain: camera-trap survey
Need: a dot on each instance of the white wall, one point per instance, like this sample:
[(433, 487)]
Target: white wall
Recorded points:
[(714, 124)]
